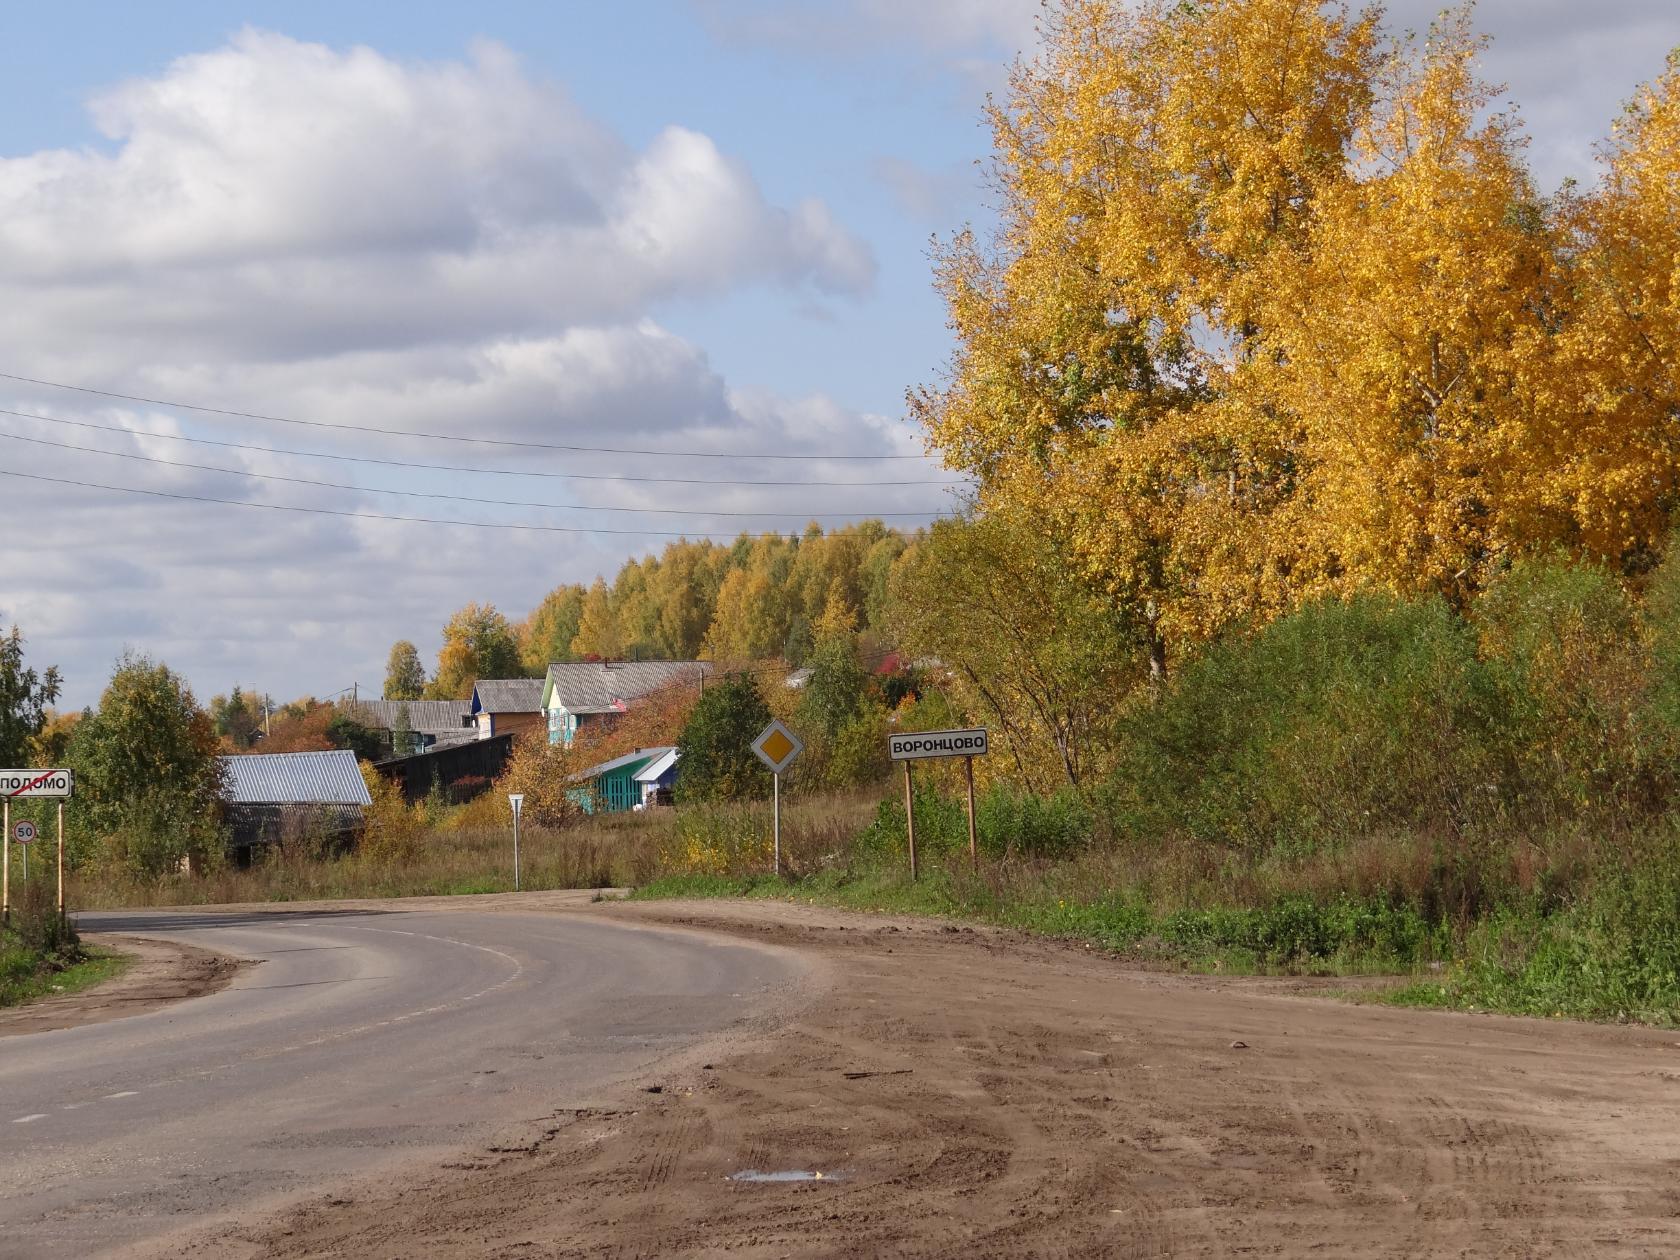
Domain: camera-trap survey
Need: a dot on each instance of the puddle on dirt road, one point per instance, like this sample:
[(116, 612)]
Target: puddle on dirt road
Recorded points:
[(752, 1174)]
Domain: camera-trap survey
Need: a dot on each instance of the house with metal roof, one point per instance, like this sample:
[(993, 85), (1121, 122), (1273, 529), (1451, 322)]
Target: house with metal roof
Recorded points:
[(616, 785), (657, 781), (508, 706), (431, 723), (277, 797), (577, 693)]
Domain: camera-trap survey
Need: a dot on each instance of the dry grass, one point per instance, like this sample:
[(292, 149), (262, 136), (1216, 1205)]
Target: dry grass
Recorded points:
[(450, 858)]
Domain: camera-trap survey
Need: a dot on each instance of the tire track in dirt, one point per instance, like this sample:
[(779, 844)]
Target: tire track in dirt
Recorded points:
[(1013, 1098)]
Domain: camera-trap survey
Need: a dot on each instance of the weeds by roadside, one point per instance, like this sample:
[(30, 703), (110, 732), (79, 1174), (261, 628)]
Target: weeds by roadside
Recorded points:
[(40, 953)]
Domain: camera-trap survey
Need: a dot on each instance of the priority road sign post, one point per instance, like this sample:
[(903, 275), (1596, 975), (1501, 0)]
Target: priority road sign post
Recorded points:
[(29, 785), (778, 748), (923, 745), (517, 801)]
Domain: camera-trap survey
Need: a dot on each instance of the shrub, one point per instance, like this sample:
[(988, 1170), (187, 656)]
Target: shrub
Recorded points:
[(717, 761), (1341, 719)]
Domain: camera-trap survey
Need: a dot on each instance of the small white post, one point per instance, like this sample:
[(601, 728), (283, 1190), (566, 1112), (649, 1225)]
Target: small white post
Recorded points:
[(776, 812), (517, 801)]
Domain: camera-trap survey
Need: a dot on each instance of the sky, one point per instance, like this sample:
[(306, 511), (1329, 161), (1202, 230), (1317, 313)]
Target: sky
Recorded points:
[(694, 231)]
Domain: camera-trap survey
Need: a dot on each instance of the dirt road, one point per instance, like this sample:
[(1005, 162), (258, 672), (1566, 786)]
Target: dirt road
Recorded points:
[(967, 1094)]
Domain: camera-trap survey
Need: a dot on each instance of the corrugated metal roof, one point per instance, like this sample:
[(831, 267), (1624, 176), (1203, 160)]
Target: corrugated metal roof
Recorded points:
[(654, 769), (507, 695), (617, 763), (592, 686), (305, 778), (430, 717)]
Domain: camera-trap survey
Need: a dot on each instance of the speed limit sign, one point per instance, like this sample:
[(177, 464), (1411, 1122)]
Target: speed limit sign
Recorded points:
[(24, 832)]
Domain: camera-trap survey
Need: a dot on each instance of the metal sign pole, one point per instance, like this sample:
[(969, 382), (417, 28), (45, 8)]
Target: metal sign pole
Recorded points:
[(910, 819), (61, 860), (6, 863), (776, 816), (973, 842), (516, 852)]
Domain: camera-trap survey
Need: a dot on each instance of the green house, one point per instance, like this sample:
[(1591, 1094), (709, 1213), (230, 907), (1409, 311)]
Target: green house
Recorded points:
[(615, 786)]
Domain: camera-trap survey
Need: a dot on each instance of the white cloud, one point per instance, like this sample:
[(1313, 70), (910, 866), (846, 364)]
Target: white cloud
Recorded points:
[(453, 247), (360, 196)]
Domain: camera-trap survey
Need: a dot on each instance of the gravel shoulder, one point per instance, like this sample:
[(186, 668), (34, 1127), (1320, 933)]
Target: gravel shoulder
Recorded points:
[(974, 1093)]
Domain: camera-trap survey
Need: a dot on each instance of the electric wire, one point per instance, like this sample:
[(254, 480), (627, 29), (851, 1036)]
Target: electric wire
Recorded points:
[(457, 468), (375, 516), (424, 494), (433, 437)]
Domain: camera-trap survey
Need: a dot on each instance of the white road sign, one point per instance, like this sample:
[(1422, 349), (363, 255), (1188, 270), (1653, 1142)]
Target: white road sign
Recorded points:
[(517, 800), (777, 747), (917, 745), (23, 784), (24, 831)]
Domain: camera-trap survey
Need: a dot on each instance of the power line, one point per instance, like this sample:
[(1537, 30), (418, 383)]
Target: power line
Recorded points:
[(372, 516), (457, 468), (423, 494), (434, 437)]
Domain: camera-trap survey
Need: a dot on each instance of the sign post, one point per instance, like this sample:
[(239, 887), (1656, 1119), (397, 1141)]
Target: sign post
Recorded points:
[(924, 745), (24, 834), (29, 785), (517, 801), (778, 748)]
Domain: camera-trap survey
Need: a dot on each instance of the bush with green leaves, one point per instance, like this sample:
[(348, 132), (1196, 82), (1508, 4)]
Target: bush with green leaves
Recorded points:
[(717, 762), (1341, 719), (148, 774)]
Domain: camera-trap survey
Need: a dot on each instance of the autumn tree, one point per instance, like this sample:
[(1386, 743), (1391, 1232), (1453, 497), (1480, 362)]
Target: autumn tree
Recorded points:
[(149, 778), (547, 634), (1028, 647), (237, 718), (1276, 309), (597, 635), (24, 697), (405, 676), (478, 642)]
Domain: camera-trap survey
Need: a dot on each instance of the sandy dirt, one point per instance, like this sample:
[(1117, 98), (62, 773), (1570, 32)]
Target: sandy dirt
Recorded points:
[(974, 1094), (161, 972)]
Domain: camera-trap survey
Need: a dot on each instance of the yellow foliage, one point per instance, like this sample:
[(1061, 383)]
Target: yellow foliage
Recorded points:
[(1276, 309)]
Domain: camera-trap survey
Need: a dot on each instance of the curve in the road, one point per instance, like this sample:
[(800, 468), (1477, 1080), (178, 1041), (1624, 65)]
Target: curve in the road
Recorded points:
[(361, 1039)]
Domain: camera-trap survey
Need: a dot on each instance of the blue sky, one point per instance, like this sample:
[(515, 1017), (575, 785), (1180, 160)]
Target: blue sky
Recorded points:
[(686, 224)]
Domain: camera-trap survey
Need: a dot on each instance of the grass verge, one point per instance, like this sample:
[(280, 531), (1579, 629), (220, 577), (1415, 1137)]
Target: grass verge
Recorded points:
[(29, 976), (1293, 935)]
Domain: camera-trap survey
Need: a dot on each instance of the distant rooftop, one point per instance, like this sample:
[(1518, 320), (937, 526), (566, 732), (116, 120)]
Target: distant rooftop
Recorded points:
[(302, 778)]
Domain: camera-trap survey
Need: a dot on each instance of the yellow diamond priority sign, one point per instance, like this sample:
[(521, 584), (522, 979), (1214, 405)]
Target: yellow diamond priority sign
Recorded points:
[(777, 747)]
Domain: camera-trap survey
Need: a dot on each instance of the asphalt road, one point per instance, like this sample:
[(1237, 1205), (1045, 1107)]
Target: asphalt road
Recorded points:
[(361, 1039)]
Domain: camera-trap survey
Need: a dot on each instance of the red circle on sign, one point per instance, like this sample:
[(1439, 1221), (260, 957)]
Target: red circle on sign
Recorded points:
[(24, 831)]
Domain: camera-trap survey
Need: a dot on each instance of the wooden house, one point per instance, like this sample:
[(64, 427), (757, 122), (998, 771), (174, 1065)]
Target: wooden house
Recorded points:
[(508, 706), (578, 693), (615, 786)]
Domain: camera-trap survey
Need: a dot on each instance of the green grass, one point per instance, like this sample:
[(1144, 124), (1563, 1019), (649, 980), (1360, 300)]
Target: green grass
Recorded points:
[(29, 975), (1292, 935)]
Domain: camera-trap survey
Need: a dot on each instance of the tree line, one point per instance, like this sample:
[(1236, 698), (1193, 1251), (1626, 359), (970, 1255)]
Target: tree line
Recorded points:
[(758, 598)]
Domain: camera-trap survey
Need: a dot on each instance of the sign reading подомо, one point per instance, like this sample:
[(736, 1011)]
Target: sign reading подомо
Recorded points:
[(916, 745), (24, 784)]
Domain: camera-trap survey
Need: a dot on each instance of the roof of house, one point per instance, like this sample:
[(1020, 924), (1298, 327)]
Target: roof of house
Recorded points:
[(303, 778), (618, 763), (508, 695), (593, 686), (656, 768), (430, 717)]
